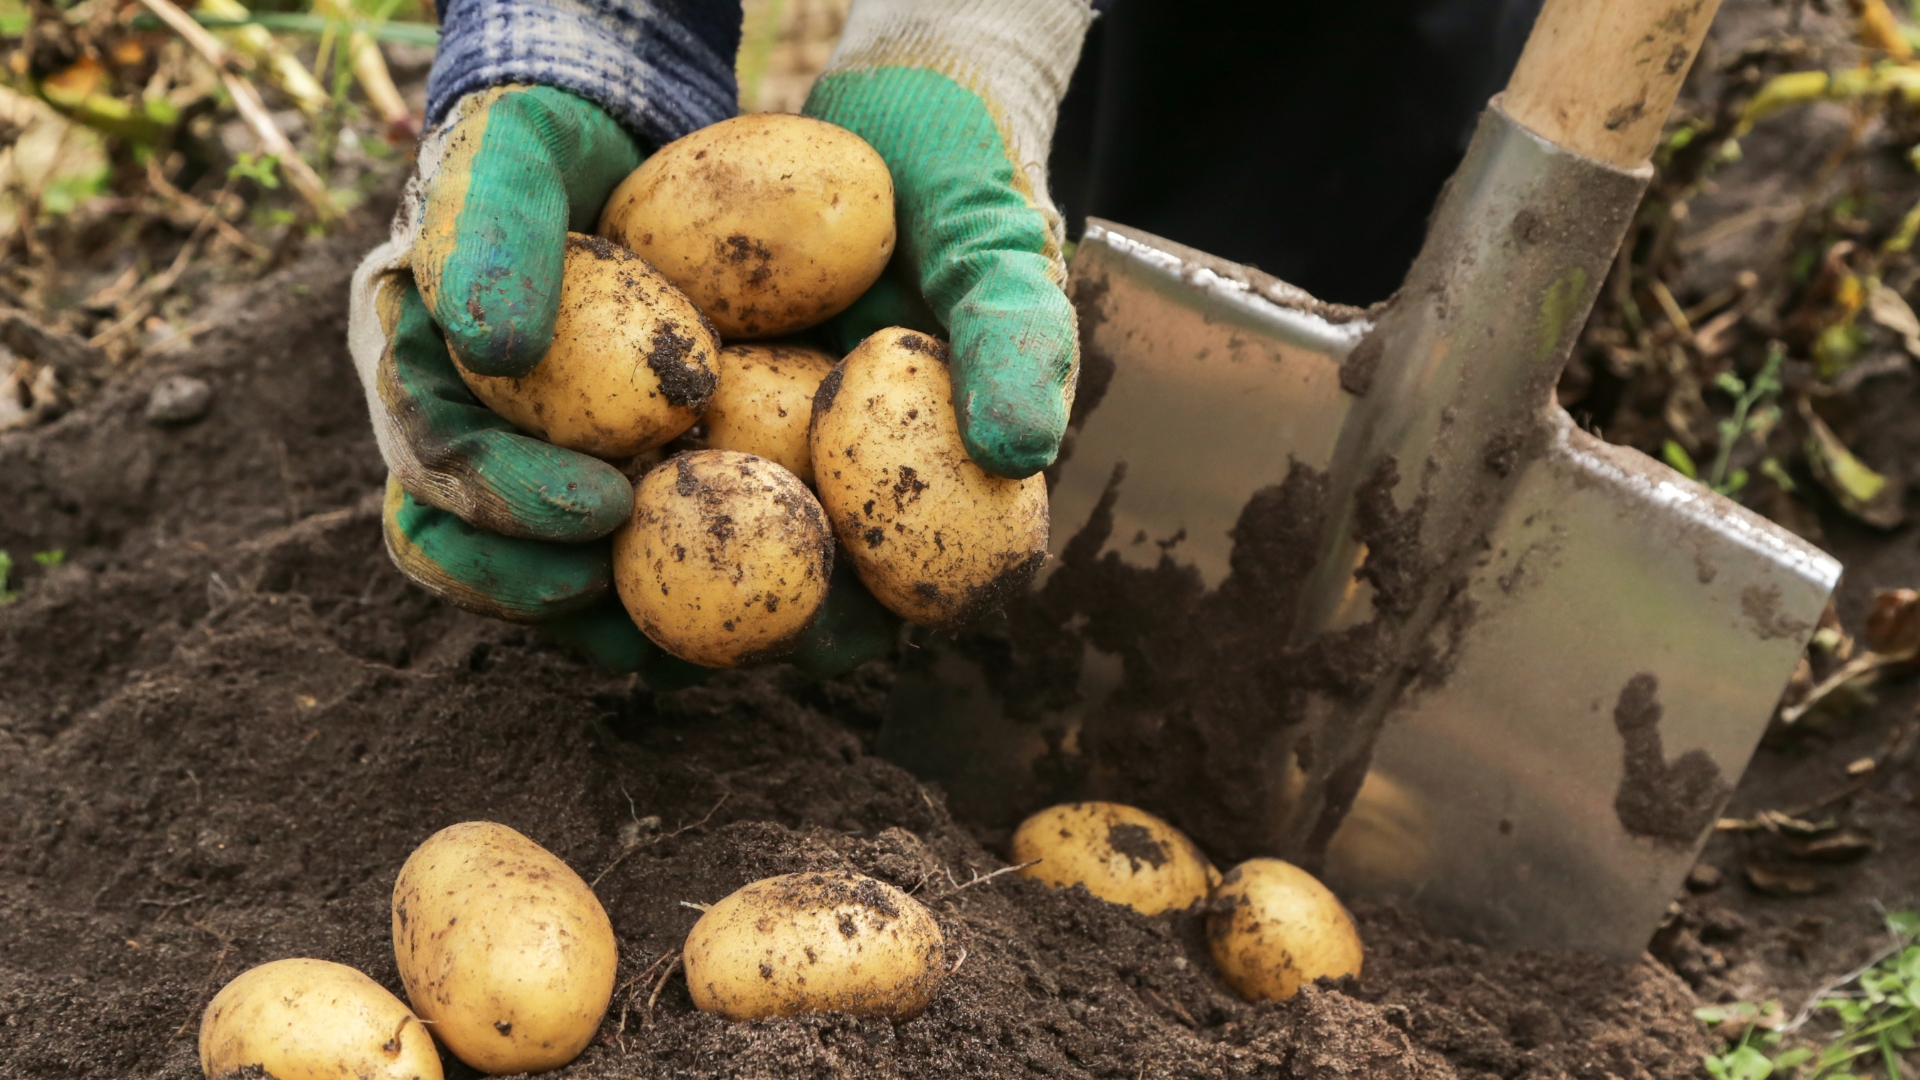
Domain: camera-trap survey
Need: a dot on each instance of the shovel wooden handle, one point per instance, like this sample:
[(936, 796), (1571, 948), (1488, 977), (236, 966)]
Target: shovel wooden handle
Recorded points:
[(1599, 76)]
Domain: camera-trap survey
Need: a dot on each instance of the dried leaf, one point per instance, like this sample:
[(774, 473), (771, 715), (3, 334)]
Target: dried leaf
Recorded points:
[(1781, 881), (1867, 495), (1843, 846), (1893, 623), (1888, 308)]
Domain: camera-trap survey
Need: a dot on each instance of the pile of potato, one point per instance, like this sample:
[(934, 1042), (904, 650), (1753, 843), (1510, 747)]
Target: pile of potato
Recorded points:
[(1270, 925), (758, 228), (508, 959), (504, 952)]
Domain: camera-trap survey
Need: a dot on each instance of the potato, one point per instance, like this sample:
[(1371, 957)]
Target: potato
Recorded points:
[(765, 403), (726, 559), (1121, 854), (314, 1020), (502, 947), (1272, 926), (631, 366), (814, 943), (933, 536), (770, 222)]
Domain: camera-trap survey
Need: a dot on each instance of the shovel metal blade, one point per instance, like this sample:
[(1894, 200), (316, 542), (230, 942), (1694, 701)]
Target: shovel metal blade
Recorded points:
[(1604, 675)]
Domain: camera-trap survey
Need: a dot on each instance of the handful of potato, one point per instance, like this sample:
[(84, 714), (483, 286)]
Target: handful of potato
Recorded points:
[(753, 228), (1270, 925)]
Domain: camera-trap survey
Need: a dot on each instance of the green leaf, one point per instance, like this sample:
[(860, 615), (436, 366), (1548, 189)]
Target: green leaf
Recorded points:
[(1676, 455), (1731, 383), (1860, 491), (1787, 1059), (262, 169), (1904, 923), (7, 596), (50, 558), (1772, 470), (1746, 1063)]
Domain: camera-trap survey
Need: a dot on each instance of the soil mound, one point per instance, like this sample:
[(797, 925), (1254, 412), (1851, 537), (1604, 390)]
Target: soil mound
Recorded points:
[(225, 721)]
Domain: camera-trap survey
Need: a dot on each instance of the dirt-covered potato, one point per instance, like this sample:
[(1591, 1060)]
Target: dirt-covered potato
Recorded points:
[(815, 943), (502, 948), (314, 1020), (631, 365), (726, 559), (765, 403), (771, 222), (1272, 927), (1123, 855), (934, 537)]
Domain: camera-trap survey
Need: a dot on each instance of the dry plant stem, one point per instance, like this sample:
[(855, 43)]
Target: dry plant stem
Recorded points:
[(1813, 1000), (159, 182), (155, 287), (654, 998), (685, 828), (981, 879), (1860, 665), (370, 69), (252, 109)]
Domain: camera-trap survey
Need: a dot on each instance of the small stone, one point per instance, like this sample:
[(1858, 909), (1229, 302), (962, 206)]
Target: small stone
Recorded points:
[(179, 399), (1703, 878)]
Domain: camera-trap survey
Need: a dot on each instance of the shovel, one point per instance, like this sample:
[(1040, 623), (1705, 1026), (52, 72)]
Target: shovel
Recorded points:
[(1349, 588)]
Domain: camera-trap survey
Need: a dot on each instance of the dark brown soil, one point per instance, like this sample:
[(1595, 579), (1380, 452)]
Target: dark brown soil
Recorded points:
[(225, 720)]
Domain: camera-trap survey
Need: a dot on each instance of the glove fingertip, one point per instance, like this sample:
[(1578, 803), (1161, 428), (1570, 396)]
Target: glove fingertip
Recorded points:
[(497, 334), (555, 494), (1029, 451), (604, 499)]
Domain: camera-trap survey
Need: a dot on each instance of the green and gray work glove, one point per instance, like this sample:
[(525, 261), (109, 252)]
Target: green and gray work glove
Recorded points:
[(960, 99), (478, 514)]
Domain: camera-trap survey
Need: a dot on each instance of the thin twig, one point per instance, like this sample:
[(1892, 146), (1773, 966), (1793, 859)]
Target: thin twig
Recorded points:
[(665, 836), (157, 180), (1866, 663), (1171, 1006), (956, 964), (156, 286), (981, 879), (654, 998), (626, 1002), (247, 99), (1813, 1000), (183, 902), (220, 961)]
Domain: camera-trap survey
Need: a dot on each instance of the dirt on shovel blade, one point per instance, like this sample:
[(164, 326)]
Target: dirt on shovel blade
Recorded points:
[(225, 721)]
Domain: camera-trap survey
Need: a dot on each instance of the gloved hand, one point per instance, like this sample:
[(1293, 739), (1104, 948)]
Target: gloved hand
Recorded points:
[(491, 520), (959, 97)]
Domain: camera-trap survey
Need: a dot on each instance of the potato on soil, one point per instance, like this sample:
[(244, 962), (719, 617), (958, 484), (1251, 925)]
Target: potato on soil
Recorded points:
[(314, 1020), (770, 222), (502, 948), (631, 366), (1272, 927), (726, 559), (765, 402), (1121, 854), (815, 943), (934, 537)]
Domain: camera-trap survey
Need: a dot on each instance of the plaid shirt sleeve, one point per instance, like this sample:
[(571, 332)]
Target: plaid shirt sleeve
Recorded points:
[(661, 68)]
